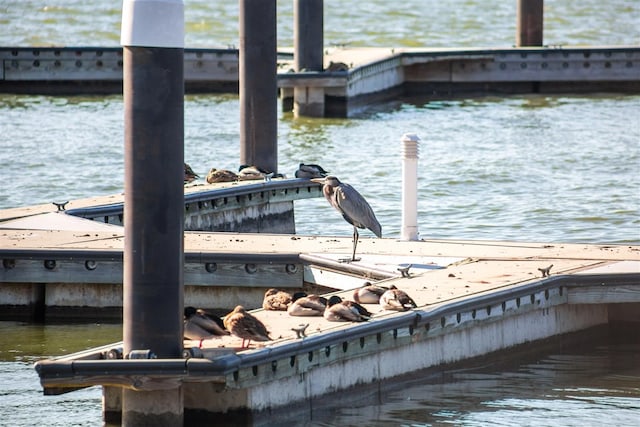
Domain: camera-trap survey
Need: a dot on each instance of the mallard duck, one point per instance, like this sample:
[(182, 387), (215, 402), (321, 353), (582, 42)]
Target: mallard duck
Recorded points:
[(200, 325), (248, 172), (221, 175), (189, 174), (246, 326), (276, 300), (310, 171), (306, 305), (368, 293), (345, 311), (396, 299)]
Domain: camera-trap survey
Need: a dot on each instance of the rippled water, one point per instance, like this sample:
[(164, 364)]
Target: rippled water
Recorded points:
[(531, 168), (563, 384), (582, 384), (535, 168)]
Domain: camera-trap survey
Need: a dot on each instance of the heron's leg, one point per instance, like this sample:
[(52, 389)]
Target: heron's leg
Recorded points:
[(355, 243)]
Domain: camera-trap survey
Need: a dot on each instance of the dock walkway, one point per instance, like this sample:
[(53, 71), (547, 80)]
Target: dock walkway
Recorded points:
[(473, 298)]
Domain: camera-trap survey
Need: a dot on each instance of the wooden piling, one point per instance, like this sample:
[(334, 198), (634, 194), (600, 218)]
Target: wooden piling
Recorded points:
[(153, 87), (258, 84), (529, 23), (308, 35), (308, 56)]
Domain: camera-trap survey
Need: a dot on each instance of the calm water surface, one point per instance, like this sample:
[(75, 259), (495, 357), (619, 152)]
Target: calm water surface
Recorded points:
[(532, 168)]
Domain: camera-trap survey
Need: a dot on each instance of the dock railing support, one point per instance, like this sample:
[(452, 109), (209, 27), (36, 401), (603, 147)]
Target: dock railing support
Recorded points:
[(153, 89), (258, 82), (530, 23), (410, 151), (308, 41)]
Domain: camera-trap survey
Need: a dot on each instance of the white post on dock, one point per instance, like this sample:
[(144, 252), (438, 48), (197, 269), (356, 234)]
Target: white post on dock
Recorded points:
[(409, 230)]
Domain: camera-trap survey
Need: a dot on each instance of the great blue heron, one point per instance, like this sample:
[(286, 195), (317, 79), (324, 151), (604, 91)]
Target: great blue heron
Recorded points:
[(353, 207)]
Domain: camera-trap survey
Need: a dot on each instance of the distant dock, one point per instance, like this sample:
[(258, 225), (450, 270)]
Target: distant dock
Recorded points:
[(352, 79)]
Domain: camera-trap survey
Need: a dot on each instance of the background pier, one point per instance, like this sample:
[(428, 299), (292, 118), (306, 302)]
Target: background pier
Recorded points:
[(352, 78)]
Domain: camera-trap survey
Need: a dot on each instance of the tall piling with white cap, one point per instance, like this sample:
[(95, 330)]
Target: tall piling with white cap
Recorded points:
[(409, 230), (153, 91)]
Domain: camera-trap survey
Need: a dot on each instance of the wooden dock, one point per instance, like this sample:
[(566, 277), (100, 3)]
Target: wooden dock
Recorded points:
[(352, 79), (473, 298)]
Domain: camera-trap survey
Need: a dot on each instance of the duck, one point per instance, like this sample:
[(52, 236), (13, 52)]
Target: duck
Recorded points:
[(339, 310), (369, 293), (306, 305), (310, 171), (276, 300), (242, 324), (189, 174), (221, 175), (200, 325), (250, 172), (396, 299)]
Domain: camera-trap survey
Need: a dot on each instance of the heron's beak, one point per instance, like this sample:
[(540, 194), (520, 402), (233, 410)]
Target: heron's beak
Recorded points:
[(318, 180)]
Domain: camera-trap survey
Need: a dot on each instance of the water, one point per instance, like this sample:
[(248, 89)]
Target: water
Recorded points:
[(530, 168)]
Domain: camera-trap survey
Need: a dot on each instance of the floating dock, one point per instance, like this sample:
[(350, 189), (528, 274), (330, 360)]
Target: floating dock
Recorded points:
[(474, 298), (352, 78)]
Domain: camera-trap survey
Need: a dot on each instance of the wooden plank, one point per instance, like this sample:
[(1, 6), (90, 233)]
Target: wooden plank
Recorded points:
[(603, 294)]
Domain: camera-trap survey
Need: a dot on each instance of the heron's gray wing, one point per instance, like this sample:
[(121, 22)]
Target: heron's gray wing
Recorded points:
[(355, 209)]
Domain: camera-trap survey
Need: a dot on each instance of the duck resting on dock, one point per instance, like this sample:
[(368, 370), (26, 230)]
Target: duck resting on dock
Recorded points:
[(396, 299), (189, 174), (242, 324), (249, 172), (310, 171), (339, 310), (369, 293), (221, 175), (276, 300), (200, 325), (353, 207), (306, 305)]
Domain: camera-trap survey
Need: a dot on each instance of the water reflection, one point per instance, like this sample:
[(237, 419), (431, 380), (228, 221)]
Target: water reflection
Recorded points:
[(567, 383), (25, 342)]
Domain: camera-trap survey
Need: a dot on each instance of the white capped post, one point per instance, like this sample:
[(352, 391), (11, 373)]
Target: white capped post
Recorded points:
[(152, 23), (153, 275), (410, 149)]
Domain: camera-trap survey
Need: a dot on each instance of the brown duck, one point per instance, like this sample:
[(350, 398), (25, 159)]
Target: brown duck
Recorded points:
[(276, 300), (221, 175), (189, 174), (246, 326), (369, 294), (345, 311), (396, 299), (200, 325), (306, 305)]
